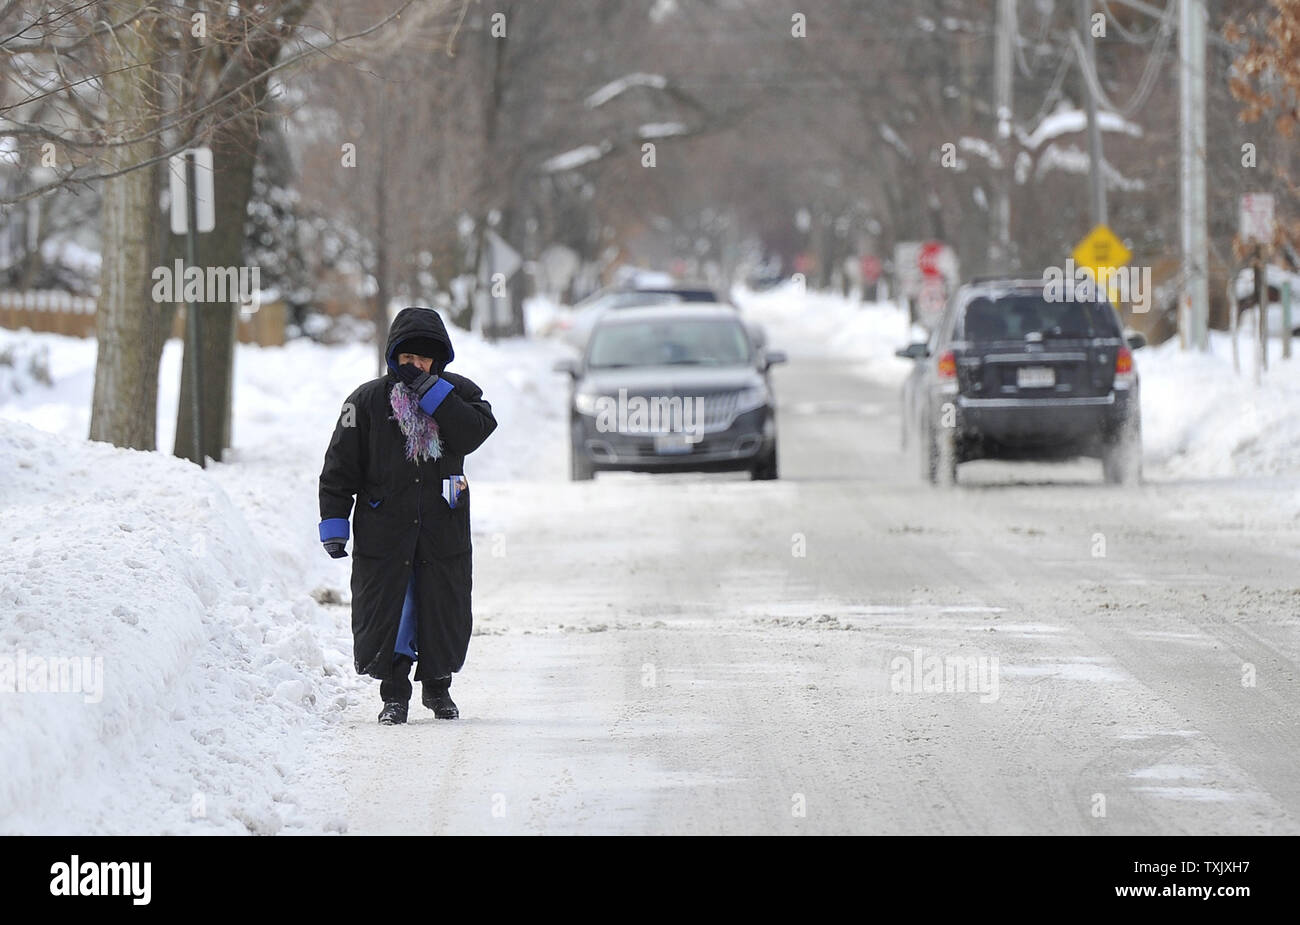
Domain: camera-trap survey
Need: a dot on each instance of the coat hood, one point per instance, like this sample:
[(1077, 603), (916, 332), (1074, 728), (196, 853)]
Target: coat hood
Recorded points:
[(416, 322)]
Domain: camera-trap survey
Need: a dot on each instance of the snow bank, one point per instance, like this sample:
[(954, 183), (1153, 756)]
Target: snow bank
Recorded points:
[(1202, 420), (204, 676)]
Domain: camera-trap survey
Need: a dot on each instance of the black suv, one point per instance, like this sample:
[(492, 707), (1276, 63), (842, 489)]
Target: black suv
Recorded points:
[(1008, 374)]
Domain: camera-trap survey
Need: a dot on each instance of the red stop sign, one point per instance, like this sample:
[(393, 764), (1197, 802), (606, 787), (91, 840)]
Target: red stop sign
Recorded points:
[(928, 259)]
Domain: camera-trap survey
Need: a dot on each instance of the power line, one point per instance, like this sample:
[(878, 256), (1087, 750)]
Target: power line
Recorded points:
[(1146, 83), (1130, 37), (1054, 90)]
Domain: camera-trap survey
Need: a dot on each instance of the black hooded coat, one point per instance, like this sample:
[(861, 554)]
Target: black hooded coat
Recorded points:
[(402, 524)]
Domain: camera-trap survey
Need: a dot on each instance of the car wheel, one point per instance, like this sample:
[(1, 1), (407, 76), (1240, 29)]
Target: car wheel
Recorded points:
[(766, 468), (1121, 461), (939, 457), (580, 467), (928, 454)]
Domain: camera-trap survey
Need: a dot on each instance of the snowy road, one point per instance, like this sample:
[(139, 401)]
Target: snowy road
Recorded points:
[(704, 654)]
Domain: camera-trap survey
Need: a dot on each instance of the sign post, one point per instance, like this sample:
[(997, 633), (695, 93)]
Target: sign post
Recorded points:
[(1286, 320), (1255, 218), (193, 211), (870, 271)]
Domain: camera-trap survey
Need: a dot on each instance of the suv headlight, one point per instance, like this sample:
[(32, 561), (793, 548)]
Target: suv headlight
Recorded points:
[(754, 396)]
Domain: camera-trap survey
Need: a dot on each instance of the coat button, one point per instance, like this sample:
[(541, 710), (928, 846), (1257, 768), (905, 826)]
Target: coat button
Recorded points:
[(416, 521), (407, 562), (417, 479)]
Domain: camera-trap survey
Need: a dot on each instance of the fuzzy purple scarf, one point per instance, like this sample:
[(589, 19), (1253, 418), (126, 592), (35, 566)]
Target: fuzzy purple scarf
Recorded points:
[(420, 429)]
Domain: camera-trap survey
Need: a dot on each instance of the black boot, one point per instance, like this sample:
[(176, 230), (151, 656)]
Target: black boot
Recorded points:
[(396, 692), (436, 697)]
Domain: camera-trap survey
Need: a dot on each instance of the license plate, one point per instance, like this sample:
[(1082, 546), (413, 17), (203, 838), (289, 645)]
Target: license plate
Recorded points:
[(1035, 377), (671, 444)]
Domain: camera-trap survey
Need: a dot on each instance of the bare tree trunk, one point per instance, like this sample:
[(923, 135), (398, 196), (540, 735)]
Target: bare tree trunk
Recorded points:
[(125, 402), (516, 236)]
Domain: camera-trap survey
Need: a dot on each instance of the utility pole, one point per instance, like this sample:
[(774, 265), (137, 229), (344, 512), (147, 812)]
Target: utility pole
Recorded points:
[(1096, 181), (1000, 249), (1195, 303)]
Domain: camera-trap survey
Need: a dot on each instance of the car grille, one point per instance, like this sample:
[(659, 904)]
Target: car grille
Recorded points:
[(717, 412)]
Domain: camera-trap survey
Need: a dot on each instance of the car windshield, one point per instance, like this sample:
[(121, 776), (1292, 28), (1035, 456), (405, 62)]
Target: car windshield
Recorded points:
[(668, 343), (1012, 316)]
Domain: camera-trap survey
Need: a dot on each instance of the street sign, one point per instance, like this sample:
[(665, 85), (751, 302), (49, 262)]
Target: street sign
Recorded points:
[(204, 203), (917, 261), (907, 275), (1256, 218), (929, 260), (931, 301), (1101, 250)]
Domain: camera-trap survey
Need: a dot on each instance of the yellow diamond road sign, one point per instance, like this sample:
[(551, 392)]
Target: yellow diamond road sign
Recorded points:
[(1100, 249)]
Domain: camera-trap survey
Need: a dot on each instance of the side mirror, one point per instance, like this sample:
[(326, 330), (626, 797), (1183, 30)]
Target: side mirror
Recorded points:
[(568, 366), (1136, 340), (772, 357), (913, 352)]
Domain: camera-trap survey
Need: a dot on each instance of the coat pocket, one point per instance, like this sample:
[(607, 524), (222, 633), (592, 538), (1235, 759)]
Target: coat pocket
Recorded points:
[(376, 531), (455, 491), (448, 528)]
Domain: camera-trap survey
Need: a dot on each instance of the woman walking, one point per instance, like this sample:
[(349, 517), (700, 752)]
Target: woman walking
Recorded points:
[(399, 448)]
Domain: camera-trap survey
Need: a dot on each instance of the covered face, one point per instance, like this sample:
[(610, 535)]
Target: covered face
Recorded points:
[(419, 332)]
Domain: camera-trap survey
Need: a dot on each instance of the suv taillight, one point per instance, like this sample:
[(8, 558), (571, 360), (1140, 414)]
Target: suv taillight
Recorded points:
[(1124, 366), (947, 365)]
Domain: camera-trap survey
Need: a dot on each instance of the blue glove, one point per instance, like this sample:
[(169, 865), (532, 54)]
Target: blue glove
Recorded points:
[(419, 381)]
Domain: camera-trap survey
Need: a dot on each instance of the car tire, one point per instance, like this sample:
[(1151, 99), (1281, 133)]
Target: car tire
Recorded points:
[(580, 468), (1121, 460), (939, 458), (765, 470)]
